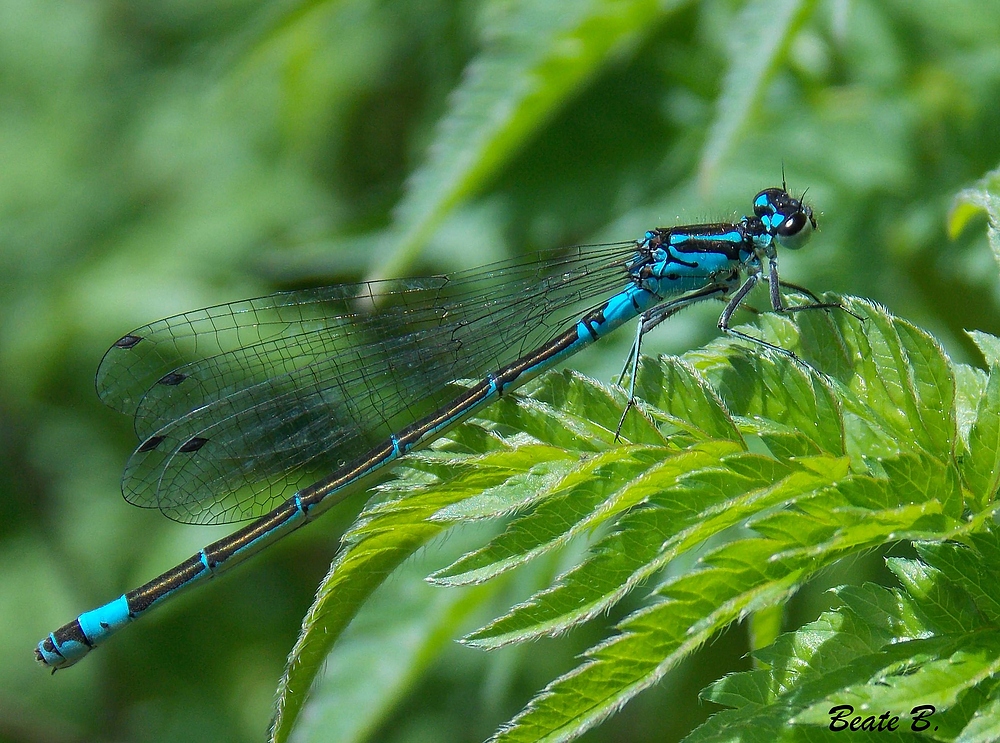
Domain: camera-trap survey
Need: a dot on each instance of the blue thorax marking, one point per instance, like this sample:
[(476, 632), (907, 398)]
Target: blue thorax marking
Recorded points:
[(678, 239), (670, 261)]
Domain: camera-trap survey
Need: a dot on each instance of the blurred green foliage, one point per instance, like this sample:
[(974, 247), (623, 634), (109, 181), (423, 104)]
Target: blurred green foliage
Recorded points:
[(156, 157)]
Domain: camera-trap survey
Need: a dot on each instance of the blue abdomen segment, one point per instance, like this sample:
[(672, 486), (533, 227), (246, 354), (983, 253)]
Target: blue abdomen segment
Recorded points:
[(621, 308), (105, 619)]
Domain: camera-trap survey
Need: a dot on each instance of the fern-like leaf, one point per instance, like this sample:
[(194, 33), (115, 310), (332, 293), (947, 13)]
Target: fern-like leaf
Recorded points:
[(928, 654), (537, 58), (820, 463)]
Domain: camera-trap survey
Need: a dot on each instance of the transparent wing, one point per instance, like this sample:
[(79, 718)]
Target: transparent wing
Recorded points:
[(235, 405)]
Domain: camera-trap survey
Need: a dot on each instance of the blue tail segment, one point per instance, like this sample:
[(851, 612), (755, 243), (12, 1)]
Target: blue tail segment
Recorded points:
[(314, 392)]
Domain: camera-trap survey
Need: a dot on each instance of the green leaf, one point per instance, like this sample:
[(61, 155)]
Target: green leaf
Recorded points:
[(680, 396), (981, 469), (353, 577), (784, 456), (395, 637), (972, 570), (918, 478), (572, 394), (904, 379), (882, 651), (738, 578), (942, 604), (937, 683), (784, 402), (599, 488), (745, 576), (517, 491), (385, 534), (984, 727), (537, 57), (571, 412), (981, 197), (759, 38), (970, 384), (989, 345), (694, 495)]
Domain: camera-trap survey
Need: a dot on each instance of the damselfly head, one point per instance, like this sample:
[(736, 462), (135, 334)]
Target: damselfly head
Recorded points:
[(786, 218)]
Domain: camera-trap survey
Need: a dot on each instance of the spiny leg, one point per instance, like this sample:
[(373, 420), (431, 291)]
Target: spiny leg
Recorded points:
[(778, 306), (737, 300), (817, 304), (734, 304), (649, 320)]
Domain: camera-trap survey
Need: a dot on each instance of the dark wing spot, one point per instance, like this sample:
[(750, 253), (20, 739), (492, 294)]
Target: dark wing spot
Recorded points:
[(151, 443), (193, 444), (172, 379), (127, 341)]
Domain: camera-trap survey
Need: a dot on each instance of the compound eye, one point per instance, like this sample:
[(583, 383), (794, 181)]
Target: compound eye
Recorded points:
[(793, 225), (794, 232)]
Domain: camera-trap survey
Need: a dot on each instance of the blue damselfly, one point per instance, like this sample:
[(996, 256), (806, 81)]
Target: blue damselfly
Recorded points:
[(313, 392)]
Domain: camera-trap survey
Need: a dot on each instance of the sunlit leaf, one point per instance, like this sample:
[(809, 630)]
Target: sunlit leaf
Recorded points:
[(537, 56)]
